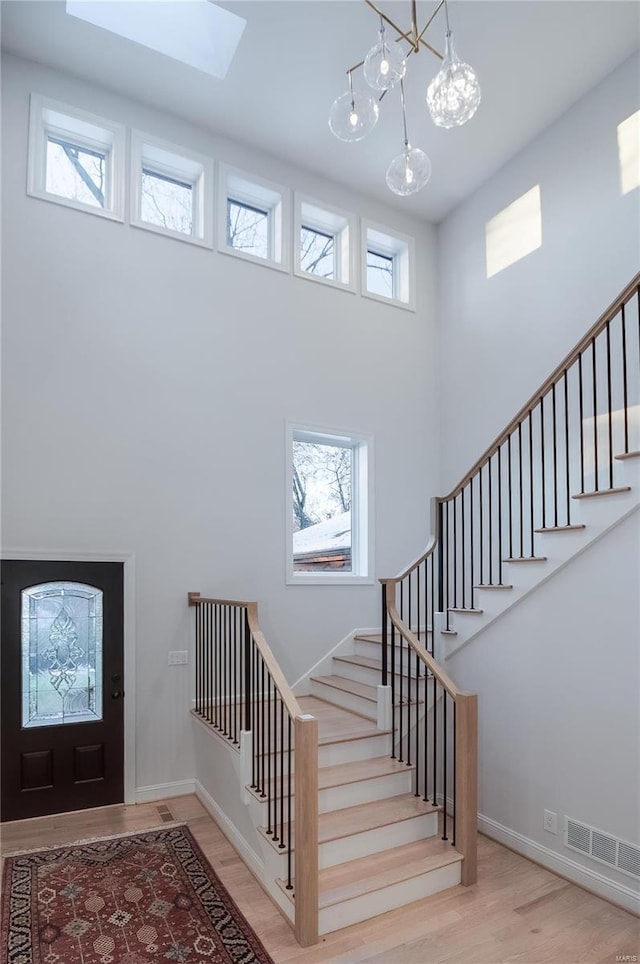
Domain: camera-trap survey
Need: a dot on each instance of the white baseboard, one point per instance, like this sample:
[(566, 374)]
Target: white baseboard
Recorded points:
[(591, 880), (250, 857), (158, 791)]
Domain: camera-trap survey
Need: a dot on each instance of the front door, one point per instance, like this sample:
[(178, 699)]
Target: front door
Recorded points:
[(62, 687)]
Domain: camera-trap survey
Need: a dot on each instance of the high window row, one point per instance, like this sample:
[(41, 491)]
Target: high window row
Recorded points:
[(79, 159)]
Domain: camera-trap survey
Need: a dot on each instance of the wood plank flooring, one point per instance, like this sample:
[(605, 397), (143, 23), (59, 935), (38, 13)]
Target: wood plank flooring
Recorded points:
[(517, 913)]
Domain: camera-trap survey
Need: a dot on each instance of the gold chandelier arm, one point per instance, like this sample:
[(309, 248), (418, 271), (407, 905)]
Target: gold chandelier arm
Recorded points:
[(426, 27), (388, 20)]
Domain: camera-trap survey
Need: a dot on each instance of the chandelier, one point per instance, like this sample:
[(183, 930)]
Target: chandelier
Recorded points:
[(452, 96)]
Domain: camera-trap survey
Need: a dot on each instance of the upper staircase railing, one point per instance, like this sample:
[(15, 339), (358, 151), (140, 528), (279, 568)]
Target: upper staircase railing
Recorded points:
[(562, 445), (242, 693)]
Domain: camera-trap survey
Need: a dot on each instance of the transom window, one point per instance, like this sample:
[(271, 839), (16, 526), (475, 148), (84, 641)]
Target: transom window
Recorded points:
[(75, 158), (248, 228), (76, 172), (253, 218), (388, 266), (329, 522), (380, 274), (167, 202), (317, 251), (325, 242), (171, 190)]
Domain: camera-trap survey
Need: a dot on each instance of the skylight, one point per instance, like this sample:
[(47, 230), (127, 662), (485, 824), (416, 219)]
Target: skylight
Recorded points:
[(197, 33)]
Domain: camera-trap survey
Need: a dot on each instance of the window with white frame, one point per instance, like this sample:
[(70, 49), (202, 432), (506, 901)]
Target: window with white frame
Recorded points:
[(388, 266), (324, 238), (171, 190), (76, 158), (253, 218), (329, 484)]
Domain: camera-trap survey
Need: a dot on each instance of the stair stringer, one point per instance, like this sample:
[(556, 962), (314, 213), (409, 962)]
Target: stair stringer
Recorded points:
[(599, 515)]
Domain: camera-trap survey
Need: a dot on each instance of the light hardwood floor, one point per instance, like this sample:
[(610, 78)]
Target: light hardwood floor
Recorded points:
[(517, 912)]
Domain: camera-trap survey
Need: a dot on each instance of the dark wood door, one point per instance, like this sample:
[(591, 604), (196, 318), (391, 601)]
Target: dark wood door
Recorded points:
[(62, 666)]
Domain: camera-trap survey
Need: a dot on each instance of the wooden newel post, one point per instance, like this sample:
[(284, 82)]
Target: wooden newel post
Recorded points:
[(467, 785), (306, 830)]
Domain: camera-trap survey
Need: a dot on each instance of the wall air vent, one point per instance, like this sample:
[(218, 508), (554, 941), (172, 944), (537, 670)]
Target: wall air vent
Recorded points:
[(602, 847)]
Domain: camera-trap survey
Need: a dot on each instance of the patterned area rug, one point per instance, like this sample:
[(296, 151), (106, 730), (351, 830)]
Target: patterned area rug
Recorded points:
[(133, 899)]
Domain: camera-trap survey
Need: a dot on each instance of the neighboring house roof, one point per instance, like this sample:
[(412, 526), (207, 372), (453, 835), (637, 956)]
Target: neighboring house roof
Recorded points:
[(333, 535)]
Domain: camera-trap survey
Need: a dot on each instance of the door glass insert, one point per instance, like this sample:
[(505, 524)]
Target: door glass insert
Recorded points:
[(61, 654)]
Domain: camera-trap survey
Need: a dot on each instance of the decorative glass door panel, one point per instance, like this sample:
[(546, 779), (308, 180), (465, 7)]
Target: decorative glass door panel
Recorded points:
[(61, 646)]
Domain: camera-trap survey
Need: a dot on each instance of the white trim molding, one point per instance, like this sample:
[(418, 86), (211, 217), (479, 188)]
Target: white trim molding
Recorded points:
[(161, 791), (591, 880)]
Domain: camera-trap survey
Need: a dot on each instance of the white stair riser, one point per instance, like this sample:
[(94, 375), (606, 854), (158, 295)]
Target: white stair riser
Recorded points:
[(372, 677), (374, 841), (373, 651), (388, 898), (349, 751), (348, 701), (348, 794), (364, 791)]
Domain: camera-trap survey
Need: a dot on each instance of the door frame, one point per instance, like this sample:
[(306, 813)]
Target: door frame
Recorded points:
[(129, 640)]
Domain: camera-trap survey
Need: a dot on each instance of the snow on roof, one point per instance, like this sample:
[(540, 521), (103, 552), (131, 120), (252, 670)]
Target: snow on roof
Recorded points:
[(329, 536)]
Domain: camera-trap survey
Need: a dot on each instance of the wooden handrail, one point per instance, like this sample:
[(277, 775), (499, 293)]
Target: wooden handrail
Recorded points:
[(466, 751), (292, 706), (445, 681), (557, 373)]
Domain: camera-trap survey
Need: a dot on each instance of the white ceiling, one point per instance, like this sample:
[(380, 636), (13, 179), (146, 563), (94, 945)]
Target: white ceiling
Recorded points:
[(534, 58)]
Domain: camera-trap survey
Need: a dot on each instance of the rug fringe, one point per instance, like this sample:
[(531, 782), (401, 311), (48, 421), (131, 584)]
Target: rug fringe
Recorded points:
[(88, 840)]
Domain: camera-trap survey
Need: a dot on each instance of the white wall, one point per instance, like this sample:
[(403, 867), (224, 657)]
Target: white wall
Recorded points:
[(146, 387), (557, 681), (501, 337)]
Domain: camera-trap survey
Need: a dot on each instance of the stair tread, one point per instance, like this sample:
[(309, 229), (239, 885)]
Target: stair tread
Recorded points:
[(377, 637), (369, 663), (366, 874), (461, 609), (628, 455), (526, 559), (337, 824), (337, 724), (363, 690), (489, 586), (592, 495), (569, 528)]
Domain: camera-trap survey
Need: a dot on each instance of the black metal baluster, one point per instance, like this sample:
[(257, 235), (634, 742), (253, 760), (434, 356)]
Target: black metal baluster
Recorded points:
[(198, 660), (500, 552), (481, 507), (455, 552), (464, 554), (444, 764), (435, 744), (566, 447), (490, 471), (417, 701), (471, 539), (418, 603), (263, 731), (409, 652), (609, 403), (274, 757), (543, 470), (595, 415), (401, 704), (432, 610), (393, 690), (625, 390), (510, 498), (581, 407), (555, 455), (385, 655), (520, 489), (531, 508), (289, 884), (455, 775), (234, 676), (209, 660), (247, 673)]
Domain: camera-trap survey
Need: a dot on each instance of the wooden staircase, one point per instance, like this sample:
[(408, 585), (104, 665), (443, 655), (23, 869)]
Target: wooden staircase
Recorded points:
[(379, 844)]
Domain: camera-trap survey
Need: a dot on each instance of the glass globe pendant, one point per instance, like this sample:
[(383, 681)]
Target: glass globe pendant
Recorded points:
[(384, 65), (408, 172), (453, 96), (353, 114)]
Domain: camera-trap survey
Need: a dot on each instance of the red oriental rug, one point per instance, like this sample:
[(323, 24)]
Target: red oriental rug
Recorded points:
[(132, 899)]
